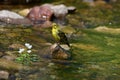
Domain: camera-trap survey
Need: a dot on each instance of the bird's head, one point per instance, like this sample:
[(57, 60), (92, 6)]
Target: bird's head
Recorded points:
[(54, 26)]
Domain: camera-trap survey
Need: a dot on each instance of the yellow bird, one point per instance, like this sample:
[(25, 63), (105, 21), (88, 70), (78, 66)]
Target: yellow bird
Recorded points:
[(59, 36)]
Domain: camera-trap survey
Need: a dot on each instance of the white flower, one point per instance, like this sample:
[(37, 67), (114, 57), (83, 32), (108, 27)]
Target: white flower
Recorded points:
[(21, 50), (28, 45), (29, 51)]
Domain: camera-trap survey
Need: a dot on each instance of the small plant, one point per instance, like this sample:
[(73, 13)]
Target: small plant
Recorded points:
[(25, 55)]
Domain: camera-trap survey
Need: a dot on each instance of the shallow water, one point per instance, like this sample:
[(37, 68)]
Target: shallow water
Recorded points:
[(95, 55)]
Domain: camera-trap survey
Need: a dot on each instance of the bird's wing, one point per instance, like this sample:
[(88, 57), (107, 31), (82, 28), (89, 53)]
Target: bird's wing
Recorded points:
[(63, 38)]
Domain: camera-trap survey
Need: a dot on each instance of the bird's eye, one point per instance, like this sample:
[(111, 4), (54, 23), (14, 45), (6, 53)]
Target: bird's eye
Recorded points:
[(55, 27)]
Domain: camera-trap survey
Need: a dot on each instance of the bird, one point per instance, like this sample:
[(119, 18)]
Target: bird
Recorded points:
[(58, 35)]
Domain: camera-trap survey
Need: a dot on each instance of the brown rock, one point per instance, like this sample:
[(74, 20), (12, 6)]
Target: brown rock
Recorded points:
[(59, 53)]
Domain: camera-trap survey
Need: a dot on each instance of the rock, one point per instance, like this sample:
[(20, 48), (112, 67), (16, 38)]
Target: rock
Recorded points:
[(60, 12), (71, 9), (59, 53), (46, 24), (37, 15), (17, 21), (10, 14), (4, 75), (107, 30), (55, 52), (40, 14), (24, 12), (45, 12), (65, 47)]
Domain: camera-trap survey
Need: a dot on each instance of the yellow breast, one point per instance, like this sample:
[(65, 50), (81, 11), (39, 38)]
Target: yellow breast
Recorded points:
[(55, 34)]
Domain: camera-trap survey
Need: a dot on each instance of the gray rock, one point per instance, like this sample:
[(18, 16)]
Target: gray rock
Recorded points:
[(10, 14), (60, 10)]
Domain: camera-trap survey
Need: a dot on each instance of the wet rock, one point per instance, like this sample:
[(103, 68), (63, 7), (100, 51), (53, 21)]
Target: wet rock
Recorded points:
[(39, 14), (4, 75), (59, 53), (10, 14), (55, 51)]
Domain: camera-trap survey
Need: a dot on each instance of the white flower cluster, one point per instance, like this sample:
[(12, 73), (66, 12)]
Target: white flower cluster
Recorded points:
[(29, 47)]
